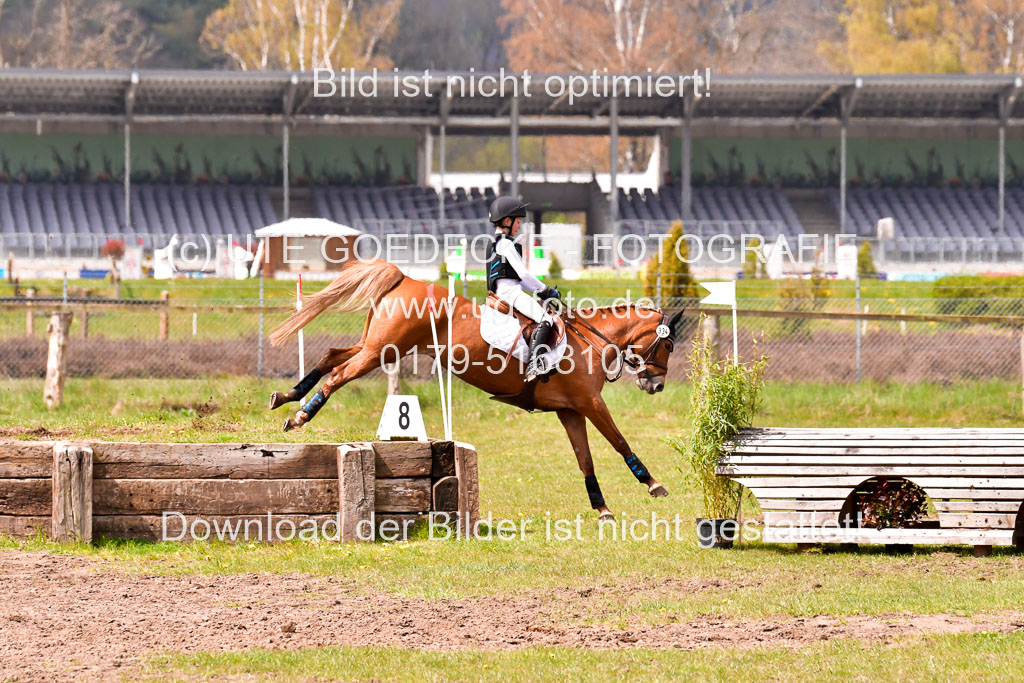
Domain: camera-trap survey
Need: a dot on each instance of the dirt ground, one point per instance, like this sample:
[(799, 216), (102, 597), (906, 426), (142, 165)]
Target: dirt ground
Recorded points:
[(64, 617)]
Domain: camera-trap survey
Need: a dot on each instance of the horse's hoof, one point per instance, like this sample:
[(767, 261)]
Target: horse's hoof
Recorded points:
[(288, 425), (606, 517), (658, 491), (277, 400)]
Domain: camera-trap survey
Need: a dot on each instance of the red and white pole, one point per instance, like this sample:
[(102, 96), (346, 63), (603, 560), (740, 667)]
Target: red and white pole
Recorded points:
[(302, 348)]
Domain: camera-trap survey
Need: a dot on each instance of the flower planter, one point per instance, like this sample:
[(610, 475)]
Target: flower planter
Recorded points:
[(716, 533)]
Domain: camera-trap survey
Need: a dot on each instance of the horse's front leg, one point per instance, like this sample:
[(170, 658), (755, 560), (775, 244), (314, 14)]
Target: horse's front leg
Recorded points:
[(598, 414), (576, 427), (332, 359)]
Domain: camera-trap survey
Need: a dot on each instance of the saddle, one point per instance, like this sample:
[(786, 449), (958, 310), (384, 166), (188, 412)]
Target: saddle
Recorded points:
[(524, 398), (526, 325)]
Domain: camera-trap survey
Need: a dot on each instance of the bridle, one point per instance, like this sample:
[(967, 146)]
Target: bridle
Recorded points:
[(637, 362), (644, 359)]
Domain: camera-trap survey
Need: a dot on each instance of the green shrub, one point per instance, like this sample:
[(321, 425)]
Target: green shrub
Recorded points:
[(676, 282), (976, 295), (800, 294), (753, 266), (725, 398), (865, 261), (555, 268)]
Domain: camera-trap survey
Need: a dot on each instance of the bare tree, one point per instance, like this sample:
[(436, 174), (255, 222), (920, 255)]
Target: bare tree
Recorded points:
[(995, 31), (100, 34), (302, 34)]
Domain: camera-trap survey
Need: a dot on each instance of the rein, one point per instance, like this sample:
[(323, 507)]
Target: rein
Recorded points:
[(637, 362)]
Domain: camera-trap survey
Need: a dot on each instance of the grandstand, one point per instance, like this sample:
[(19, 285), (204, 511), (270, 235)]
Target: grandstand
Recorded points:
[(145, 155)]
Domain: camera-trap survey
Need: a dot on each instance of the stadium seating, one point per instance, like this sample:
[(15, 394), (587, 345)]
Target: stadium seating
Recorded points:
[(402, 208), (933, 220), (77, 215), (732, 209), (930, 222)]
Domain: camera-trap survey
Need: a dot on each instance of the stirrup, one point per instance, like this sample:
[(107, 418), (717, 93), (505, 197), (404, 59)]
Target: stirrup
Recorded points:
[(536, 368)]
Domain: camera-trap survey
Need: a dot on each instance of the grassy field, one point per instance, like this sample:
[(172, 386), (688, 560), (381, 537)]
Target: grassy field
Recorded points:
[(601, 285), (982, 657), (528, 475)]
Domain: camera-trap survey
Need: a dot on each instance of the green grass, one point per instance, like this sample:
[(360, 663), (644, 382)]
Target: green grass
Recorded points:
[(981, 656), (594, 284), (528, 475)]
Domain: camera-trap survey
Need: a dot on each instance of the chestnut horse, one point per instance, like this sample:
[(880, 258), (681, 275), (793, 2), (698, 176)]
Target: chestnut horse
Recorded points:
[(399, 319)]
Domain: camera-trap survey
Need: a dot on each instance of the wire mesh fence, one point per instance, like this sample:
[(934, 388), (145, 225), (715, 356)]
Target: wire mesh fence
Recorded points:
[(939, 340)]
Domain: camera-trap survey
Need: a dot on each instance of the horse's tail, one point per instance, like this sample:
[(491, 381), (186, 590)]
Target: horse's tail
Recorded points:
[(360, 284)]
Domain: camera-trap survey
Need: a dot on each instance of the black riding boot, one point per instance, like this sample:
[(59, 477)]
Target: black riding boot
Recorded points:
[(540, 342)]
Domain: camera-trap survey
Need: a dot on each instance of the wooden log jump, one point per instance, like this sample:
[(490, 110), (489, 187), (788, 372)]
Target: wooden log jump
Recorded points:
[(804, 480), (186, 491)]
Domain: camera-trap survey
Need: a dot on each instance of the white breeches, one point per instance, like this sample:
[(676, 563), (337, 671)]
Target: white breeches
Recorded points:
[(510, 291)]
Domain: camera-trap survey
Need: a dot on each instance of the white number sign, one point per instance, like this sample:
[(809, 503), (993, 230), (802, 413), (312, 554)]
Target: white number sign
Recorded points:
[(401, 420)]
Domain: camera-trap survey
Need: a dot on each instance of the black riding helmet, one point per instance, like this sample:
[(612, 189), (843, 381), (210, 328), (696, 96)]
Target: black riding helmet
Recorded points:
[(506, 207)]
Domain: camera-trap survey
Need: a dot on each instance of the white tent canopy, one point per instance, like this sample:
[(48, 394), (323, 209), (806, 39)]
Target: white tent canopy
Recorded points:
[(307, 227)]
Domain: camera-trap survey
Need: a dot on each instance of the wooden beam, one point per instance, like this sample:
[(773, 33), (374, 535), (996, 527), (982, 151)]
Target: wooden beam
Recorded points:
[(357, 490), (71, 516), (25, 459), (469, 498)]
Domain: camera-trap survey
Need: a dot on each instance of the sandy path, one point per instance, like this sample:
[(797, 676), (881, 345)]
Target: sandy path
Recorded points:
[(60, 617)]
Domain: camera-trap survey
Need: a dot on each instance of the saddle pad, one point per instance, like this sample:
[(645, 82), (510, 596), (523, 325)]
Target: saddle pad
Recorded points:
[(502, 331)]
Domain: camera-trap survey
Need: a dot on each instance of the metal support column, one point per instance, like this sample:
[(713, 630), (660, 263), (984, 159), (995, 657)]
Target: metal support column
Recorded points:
[(686, 160), (129, 106), (613, 167), (1002, 175), (442, 153), (846, 102), (842, 175), (127, 176), (287, 107), (285, 169), (440, 194), (514, 146)]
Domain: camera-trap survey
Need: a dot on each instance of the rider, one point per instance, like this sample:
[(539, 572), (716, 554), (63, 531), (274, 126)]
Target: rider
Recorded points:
[(507, 277)]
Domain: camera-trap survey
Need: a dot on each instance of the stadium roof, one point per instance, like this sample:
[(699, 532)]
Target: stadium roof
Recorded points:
[(226, 96)]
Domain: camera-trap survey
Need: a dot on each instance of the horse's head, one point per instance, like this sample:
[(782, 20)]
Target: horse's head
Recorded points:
[(656, 340)]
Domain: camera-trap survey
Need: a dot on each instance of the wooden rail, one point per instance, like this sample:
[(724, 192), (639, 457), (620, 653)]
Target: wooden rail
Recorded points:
[(891, 317)]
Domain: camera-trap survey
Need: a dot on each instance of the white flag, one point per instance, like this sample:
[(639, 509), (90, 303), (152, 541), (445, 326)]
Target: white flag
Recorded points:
[(721, 293)]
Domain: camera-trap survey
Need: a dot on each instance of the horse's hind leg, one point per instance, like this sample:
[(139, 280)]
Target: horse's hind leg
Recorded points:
[(598, 414), (355, 367), (332, 359), (576, 427)]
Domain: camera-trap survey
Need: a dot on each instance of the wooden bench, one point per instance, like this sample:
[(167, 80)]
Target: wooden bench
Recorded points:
[(803, 478)]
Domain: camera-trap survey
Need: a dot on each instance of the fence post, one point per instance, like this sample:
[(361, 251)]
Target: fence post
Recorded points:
[(56, 360), (858, 325), (657, 287), (395, 378), (259, 341), (1022, 367), (164, 296), (85, 323), (30, 316), (71, 518)]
